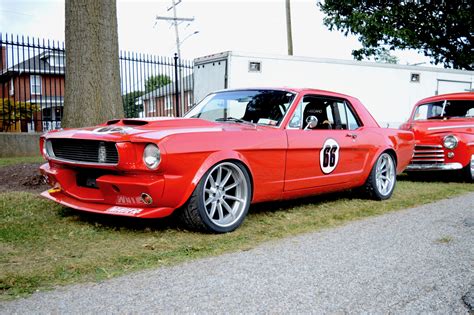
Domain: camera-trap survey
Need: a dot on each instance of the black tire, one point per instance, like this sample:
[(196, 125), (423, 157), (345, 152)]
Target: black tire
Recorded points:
[(197, 214), (469, 173), (373, 187)]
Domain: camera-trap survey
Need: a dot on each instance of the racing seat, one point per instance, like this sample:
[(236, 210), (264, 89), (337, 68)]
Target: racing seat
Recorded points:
[(318, 110)]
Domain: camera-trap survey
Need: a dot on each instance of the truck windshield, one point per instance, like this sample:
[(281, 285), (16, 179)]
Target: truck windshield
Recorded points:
[(445, 110), (266, 107)]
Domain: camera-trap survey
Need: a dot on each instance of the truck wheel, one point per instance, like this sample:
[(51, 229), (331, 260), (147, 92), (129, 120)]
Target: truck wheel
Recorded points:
[(220, 201), (469, 171), (382, 178)]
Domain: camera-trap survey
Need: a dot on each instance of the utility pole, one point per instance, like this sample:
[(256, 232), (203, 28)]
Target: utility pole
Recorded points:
[(176, 20), (289, 36)]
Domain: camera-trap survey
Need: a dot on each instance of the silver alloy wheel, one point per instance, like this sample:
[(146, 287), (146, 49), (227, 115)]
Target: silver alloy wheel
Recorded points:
[(385, 174), (225, 194)]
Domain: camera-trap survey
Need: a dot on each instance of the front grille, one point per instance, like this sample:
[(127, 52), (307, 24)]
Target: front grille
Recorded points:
[(89, 151), (428, 154)]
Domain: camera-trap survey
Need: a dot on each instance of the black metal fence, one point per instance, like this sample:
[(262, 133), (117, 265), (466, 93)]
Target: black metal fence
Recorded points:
[(32, 77)]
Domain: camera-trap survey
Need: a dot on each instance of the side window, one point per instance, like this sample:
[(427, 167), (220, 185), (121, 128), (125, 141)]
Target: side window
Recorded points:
[(295, 121), (348, 121), (330, 114)]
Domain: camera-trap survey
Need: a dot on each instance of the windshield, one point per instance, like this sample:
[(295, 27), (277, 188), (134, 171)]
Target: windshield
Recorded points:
[(444, 110), (265, 107)]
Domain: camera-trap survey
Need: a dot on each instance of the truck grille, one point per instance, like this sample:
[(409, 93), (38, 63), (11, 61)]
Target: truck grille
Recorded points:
[(88, 151), (428, 154)]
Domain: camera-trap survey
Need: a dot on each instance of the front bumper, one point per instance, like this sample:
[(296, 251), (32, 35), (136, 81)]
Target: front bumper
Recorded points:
[(434, 167), (115, 195)]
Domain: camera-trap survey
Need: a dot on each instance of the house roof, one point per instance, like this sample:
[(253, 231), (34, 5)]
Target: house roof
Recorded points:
[(169, 89), (37, 64)]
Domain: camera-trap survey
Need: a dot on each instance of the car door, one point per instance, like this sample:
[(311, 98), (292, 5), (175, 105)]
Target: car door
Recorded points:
[(332, 153)]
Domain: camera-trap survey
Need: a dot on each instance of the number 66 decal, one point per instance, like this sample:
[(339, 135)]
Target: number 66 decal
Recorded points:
[(329, 156)]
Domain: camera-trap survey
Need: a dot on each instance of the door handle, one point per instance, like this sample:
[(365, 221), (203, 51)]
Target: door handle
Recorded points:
[(351, 135)]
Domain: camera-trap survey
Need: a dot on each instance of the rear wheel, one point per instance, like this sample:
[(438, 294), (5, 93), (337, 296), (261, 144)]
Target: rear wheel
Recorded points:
[(221, 200), (382, 178)]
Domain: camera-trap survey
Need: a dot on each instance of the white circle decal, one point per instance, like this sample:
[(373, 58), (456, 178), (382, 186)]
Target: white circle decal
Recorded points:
[(329, 156)]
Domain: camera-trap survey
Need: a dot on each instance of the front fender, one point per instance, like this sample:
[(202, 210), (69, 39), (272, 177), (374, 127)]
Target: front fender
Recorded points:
[(210, 161)]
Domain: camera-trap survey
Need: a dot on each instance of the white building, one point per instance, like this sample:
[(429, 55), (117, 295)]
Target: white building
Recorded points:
[(389, 91)]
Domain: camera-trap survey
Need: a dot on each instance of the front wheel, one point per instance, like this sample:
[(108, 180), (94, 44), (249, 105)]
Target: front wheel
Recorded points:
[(220, 201), (469, 171), (382, 178)]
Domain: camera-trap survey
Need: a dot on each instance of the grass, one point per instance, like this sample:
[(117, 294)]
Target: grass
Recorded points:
[(43, 244), (445, 239), (18, 160)]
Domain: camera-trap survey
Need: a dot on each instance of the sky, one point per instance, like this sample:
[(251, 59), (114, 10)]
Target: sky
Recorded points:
[(257, 26)]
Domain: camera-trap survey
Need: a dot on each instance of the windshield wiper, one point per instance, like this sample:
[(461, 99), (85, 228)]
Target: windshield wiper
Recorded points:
[(233, 119)]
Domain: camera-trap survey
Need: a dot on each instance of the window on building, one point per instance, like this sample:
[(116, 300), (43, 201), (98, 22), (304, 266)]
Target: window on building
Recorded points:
[(168, 104), (12, 87), (152, 108), (56, 60), (35, 84)]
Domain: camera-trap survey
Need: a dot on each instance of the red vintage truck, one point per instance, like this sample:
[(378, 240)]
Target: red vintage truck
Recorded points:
[(444, 133)]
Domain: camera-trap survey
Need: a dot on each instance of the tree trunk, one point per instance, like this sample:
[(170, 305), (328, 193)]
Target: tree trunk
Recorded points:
[(92, 91)]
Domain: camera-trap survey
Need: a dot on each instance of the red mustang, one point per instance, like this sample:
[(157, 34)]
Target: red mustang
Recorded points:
[(444, 131), (234, 148)]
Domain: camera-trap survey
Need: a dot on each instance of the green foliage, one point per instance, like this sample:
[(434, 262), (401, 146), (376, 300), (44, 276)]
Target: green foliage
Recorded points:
[(156, 81), (14, 111), (131, 107), (442, 30)]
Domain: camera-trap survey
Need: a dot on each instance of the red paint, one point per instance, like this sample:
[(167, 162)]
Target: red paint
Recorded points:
[(430, 132), (283, 163)]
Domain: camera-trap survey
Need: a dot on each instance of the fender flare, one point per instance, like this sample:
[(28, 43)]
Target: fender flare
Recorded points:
[(210, 161)]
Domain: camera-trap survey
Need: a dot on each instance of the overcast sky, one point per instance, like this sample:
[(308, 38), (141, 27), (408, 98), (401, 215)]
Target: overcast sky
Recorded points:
[(249, 26)]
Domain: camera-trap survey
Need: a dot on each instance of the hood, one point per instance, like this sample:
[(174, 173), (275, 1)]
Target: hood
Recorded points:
[(139, 130), (441, 127)]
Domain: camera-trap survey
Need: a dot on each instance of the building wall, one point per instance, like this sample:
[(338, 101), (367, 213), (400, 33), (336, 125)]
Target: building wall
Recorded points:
[(386, 90), (51, 86), (160, 109)]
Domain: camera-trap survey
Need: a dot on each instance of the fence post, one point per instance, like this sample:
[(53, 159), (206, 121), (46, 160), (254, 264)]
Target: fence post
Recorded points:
[(176, 83)]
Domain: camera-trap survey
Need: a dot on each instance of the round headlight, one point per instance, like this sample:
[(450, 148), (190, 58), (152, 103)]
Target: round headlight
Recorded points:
[(450, 142), (48, 148), (152, 156)]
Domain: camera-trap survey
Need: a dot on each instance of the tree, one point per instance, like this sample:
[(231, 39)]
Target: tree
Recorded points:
[(156, 81), (442, 30), (92, 92), (130, 106), (15, 111)]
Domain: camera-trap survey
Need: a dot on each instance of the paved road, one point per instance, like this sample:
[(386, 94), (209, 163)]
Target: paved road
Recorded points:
[(419, 260)]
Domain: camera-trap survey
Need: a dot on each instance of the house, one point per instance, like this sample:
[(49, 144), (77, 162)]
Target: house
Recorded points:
[(33, 78), (162, 101)]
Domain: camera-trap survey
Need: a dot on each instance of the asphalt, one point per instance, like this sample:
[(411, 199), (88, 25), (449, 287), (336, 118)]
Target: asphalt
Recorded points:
[(419, 260)]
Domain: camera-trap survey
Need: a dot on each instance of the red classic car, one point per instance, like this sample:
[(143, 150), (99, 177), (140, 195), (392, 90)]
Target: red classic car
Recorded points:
[(444, 133), (234, 148)]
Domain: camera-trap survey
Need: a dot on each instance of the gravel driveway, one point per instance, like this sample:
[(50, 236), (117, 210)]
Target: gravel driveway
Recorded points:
[(419, 260)]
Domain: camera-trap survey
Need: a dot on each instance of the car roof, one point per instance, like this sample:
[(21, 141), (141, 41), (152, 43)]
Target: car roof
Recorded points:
[(289, 89), (450, 96)]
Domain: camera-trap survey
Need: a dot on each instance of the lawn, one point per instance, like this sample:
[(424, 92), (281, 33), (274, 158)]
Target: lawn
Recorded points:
[(43, 244), (24, 159)]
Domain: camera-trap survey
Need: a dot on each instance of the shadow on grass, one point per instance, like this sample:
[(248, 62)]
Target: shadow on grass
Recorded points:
[(104, 221), (440, 176)]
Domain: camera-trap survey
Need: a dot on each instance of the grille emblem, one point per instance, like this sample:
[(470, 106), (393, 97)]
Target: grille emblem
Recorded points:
[(102, 153)]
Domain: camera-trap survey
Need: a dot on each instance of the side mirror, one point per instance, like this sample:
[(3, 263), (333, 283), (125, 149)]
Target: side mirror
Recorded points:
[(311, 122)]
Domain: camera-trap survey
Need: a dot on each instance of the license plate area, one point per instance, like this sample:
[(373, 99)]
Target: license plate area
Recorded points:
[(88, 178)]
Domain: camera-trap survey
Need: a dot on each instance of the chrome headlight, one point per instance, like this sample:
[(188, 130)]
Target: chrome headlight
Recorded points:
[(48, 148), (152, 156), (450, 142)]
